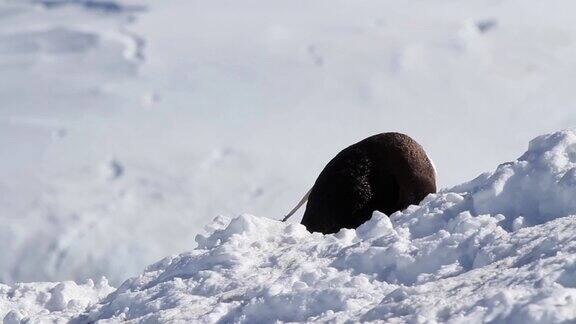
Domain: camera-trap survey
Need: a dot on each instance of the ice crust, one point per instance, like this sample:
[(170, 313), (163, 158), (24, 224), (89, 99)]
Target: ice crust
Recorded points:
[(500, 248)]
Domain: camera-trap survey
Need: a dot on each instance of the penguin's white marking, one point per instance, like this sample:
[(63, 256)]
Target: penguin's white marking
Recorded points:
[(433, 166)]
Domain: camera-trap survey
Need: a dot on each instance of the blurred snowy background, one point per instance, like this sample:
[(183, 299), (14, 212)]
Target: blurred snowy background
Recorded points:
[(126, 126)]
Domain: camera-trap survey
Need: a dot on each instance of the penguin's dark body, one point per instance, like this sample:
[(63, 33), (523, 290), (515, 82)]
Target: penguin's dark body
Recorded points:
[(385, 172)]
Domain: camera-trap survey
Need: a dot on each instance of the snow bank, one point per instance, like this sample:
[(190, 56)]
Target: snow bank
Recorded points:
[(500, 248), (257, 270)]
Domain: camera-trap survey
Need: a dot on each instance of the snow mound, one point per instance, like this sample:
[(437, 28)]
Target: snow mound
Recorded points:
[(500, 248), (539, 186)]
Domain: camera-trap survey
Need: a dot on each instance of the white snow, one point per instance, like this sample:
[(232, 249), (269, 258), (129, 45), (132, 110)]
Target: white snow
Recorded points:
[(500, 248), (127, 125), (48, 301)]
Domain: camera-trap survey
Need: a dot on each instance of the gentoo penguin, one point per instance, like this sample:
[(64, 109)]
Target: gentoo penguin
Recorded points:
[(385, 172)]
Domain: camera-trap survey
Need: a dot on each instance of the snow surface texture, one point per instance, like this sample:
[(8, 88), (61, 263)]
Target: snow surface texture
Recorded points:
[(49, 302), (126, 126), (500, 248)]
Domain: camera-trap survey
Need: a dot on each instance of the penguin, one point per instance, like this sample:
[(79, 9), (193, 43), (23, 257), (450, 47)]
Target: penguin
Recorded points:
[(385, 172)]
